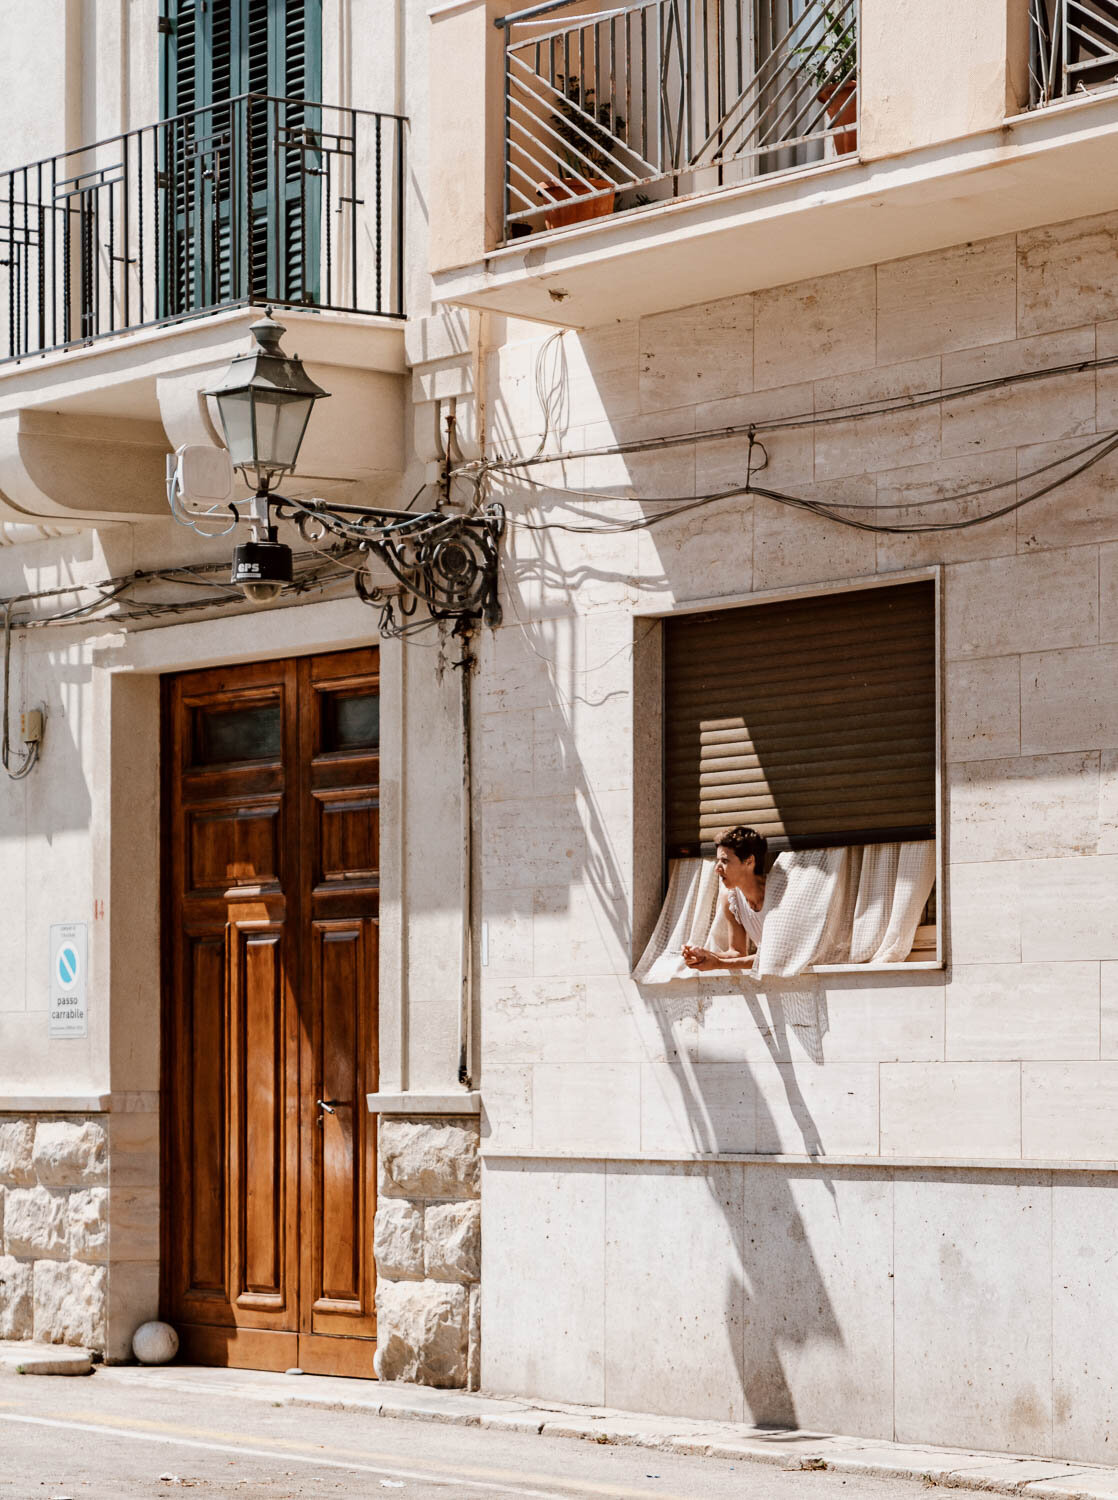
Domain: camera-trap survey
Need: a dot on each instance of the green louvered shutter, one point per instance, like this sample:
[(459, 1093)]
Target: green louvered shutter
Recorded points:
[(241, 218)]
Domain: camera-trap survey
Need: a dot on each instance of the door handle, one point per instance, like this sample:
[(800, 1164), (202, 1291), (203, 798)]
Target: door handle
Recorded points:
[(331, 1106)]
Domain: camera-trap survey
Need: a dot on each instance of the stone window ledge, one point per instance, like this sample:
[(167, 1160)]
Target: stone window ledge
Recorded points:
[(461, 1103), (57, 1104)]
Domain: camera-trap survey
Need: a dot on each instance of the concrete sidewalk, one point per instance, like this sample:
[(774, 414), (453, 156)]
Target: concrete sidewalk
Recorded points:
[(953, 1467)]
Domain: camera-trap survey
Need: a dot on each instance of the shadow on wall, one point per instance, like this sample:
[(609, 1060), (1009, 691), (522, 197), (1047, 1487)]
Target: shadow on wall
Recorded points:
[(567, 602), (55, 797)]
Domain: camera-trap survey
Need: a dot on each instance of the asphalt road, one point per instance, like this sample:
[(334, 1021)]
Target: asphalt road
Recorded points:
[(92, 1439)]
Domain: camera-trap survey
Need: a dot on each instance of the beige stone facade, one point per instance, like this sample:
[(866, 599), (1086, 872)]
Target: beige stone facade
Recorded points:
[(427, 1240), (870, 1201)]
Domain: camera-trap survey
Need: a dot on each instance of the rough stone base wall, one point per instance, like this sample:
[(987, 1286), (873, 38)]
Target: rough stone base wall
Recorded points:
[(54, 1233), (427, 1241)]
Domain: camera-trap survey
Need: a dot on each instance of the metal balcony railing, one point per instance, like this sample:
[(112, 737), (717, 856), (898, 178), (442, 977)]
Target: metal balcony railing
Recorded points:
[(609, 108), (1073, 48), (256, 199)]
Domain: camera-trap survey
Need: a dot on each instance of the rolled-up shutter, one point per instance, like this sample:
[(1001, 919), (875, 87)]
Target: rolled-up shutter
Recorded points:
[(811, 720)]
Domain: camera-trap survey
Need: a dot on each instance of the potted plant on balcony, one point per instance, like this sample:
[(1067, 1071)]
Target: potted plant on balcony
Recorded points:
[(833, 59), (589, 132)]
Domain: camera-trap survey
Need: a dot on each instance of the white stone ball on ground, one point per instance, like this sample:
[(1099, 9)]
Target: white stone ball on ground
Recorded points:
[(155, 1343)]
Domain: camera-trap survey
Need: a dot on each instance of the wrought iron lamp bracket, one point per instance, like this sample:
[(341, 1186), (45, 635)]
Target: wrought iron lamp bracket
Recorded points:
[(445, 561)]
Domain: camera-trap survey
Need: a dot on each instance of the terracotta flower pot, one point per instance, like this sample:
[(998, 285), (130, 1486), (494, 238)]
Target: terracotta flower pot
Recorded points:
[(573, 207), (841, 103)]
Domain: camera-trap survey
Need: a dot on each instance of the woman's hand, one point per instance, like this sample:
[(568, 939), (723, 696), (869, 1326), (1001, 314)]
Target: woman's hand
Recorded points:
[(702, 959)]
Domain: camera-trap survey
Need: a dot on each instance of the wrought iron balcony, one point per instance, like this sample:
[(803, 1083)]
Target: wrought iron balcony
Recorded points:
[(1073, 48), (252, 200), (652, 100)]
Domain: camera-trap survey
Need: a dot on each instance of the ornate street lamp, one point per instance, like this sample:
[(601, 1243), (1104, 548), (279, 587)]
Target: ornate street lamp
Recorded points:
[(443, 559), (265, 403)]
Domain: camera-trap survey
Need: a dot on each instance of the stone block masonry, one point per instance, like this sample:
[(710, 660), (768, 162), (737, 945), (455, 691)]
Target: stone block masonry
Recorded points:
[(54, 1241), (427, 1241)]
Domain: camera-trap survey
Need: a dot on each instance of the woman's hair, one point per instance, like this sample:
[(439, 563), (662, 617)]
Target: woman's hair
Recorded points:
[(743, 842)]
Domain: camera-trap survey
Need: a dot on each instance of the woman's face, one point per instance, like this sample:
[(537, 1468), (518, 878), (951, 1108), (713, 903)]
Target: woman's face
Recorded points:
[(732, 870)]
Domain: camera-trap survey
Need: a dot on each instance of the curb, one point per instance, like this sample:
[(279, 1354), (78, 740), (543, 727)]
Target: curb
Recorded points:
[(45, 1359), (946, 1468)]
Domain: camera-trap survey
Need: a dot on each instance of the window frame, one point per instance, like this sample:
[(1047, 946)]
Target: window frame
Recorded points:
[(649, 852)]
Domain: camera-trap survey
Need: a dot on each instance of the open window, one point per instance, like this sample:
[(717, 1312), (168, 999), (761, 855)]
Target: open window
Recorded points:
[(813, 720)]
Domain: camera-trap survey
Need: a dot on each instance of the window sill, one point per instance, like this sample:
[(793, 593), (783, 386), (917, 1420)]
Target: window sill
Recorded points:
[(902, 968)]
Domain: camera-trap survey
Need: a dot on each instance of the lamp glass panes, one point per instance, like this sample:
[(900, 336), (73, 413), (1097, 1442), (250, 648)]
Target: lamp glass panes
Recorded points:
[(265, 402)]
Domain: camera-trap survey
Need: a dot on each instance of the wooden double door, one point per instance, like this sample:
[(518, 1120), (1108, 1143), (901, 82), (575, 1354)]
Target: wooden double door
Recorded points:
[(271, 814)]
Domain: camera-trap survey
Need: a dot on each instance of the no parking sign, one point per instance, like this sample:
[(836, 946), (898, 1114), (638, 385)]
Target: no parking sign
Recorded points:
[(66, 984)]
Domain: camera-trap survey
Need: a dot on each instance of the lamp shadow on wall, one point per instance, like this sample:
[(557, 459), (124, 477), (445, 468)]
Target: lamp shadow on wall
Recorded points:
[(573, 619)]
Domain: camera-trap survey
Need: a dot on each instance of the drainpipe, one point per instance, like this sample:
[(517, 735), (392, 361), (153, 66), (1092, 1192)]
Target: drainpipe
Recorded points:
[(465, 665)]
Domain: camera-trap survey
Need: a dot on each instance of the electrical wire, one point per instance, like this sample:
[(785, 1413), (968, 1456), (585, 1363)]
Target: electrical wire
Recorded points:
[(832, 512), (29, 761), (854, 411)]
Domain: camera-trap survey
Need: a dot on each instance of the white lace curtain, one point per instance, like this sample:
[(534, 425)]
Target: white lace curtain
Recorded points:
[(857, 905)]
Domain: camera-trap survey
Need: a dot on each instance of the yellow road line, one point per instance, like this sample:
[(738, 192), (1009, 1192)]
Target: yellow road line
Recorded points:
[(505, 1481)]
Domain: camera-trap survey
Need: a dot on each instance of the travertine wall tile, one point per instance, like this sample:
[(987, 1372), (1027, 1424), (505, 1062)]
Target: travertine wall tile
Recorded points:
[(542, 1279), (548, 835), (704, 1107), (1067, 274), (984, 913), (817, 1260), (506, 1119), (790, 450), (983, 708), (696, 353), (702, 553), (1108, 1030), (1045, 1011), (659, 1228), (504, 756), (578, 929), (1080, 511), (1031, 411), (1069, 909), (953, 299), (951, 1109), (134, 1231), (790, 546), (601, 372), (507, 919), (1108, 802), (828, 1111), (1084, 1300), (534, 1020), (1106, 341), (1108, 593), (1037, 602), (883, 1018), (1068, 700), (930, 484), (1030, 806), (586, 1106), (815, 328), (667, 472), (868, 444), (1069, 1110), (972, 1290)]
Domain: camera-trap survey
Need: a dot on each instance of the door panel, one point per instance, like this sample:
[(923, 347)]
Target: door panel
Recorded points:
[(271, 954), (206, 957)]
